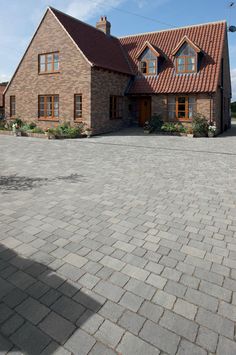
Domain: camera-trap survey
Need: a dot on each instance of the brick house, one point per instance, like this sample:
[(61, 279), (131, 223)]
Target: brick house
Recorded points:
[(2, 89), (74, 72)]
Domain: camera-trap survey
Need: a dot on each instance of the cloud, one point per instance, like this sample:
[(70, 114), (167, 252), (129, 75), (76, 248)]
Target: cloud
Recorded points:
[(85, 10), (4, 77), (143, 3), (233, 83)]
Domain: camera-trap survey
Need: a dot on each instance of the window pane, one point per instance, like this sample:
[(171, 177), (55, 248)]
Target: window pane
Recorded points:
[(49, 67), (42, 59), (49, 106), (78, 106), (152, 66), (42, 68), (181, 114), (181, 68), (56, 66), (181, 100), (49, 58), (191, 67), (143, 67), (180, 61), (190, 60)]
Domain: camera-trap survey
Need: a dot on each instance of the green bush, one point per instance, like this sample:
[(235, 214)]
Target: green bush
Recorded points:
[(37, 130), (66, 131), (156, 123), (3, 126), (19, 122), (169, 127), (200, 125)]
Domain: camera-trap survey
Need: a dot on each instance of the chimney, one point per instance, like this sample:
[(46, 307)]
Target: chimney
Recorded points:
[(104, 25)]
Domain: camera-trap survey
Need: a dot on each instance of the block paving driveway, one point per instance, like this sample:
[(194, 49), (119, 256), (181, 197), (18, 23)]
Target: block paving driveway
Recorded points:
[(118, 244)]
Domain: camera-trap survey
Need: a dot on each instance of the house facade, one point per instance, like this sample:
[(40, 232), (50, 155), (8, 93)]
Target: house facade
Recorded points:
[(74, 72), (2, 89)]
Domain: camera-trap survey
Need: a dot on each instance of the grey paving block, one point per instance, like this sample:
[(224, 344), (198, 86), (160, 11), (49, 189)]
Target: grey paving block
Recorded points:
[(30, 339), (68, 308), (108, 290), (131, 322), (226, 346), (131, 301), (160, 337), (32, 310), (207, 339), (109, 333), (57, 327), (80, 341), (131, 344)]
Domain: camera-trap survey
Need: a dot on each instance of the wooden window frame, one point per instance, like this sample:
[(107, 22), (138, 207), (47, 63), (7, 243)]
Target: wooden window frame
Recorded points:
[(186, 111), (78, 117), (185, 64), (45, 117), (116, 108), (53, 71), (147, 61), (12, 106)]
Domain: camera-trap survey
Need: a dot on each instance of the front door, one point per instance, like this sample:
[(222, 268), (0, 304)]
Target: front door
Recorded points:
[(144, 110)]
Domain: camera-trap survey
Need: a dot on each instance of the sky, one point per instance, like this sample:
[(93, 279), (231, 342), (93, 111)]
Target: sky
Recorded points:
[(20, 18)]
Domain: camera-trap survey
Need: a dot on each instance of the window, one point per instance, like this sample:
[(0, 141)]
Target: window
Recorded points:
[(148, 63), (186, 60), (181, 107), (48, 106), (116, 107), (12, 106), (78, 106), (148, 67), (49, 63)]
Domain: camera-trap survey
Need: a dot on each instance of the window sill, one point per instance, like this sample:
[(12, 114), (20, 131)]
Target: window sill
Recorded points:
[(49, 119), (50, 73), (79, 120)]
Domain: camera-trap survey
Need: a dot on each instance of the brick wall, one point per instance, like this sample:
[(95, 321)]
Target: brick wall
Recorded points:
[(226, 91), (74, 76), (103, 84)]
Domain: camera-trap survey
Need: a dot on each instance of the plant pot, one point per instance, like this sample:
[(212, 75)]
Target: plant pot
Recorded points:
[(146, 131), (211, 134), (88, 134), (190, 135)]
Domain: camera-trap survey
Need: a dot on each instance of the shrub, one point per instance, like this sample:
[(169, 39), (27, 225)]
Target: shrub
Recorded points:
[(200, 125), (3, 125), (66, 131), (19, 122), (37, 130), (169, 127), (156, 123)]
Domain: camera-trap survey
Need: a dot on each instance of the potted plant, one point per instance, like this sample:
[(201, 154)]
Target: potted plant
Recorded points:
[(190, 132), (49, 132), (88, 132), (211, 131), (147, 127), (15, 129)]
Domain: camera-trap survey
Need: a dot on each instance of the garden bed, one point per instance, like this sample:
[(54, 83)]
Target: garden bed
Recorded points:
[(25, 134)]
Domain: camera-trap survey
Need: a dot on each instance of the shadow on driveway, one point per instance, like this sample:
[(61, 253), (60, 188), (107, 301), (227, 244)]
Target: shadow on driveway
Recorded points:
[(38, 307)]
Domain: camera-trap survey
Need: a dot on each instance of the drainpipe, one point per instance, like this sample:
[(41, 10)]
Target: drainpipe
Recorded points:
[(211, 108)]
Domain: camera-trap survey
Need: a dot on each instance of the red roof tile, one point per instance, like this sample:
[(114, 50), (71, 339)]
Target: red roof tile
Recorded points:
[(209, 38), (100, 49)]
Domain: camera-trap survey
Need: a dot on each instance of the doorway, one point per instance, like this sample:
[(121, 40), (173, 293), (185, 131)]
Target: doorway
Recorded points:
[(144, 110)]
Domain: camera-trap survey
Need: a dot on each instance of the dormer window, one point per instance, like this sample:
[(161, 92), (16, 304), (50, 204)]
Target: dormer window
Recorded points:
[(186, 57), (148, 59)]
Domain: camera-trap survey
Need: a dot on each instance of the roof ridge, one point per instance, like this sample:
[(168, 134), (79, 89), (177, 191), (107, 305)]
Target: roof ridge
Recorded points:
[(76, 19), (173, 29)]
